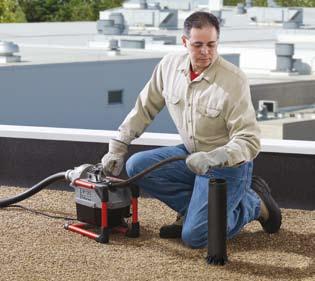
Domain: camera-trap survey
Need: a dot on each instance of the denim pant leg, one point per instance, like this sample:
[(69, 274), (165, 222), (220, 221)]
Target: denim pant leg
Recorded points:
[(243, 205), (172, 183)]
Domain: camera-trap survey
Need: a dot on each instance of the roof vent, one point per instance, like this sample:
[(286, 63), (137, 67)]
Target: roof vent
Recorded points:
[(113, 48), (269, 105), (284, 53), (7, 50), (110, 46), (267, 109)]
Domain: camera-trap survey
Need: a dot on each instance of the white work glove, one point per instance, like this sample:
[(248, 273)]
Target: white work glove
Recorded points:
[(113, 160), (201, 162)]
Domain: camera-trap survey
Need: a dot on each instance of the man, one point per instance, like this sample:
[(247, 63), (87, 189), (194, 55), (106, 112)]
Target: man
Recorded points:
[(209, 101)]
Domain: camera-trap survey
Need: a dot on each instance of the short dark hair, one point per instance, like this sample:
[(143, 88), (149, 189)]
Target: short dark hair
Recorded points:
[(199, 20)]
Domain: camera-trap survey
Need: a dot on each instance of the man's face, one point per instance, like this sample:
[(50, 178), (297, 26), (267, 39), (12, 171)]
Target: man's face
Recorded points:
[(201, 46)]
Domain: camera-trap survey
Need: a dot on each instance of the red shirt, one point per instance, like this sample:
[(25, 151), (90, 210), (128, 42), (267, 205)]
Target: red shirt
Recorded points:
[(193, 75)]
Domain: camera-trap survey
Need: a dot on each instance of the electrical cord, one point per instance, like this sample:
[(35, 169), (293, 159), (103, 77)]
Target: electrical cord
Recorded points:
[(40, 213)]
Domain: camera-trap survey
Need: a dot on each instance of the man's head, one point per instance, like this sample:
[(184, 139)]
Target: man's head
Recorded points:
[(201, 35)]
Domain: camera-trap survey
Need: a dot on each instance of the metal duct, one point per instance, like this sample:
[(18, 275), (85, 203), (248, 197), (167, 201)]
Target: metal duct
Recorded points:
[(132, 44), (119, 21), (284, 53), (108, 27)]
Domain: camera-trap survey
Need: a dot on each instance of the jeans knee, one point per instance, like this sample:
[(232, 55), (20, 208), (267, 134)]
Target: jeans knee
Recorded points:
[(192, 238), (132, 164)]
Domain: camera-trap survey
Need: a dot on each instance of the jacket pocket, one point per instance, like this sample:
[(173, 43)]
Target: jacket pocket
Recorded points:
[(209, 123), (174, 104), (212, 112), (211, 101), (209, 112)]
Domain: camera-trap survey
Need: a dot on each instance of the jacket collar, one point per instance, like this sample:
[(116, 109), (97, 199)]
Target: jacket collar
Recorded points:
[(184, 66)]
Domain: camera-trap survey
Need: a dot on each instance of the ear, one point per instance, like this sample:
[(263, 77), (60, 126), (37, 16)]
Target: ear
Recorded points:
[(184, 38)]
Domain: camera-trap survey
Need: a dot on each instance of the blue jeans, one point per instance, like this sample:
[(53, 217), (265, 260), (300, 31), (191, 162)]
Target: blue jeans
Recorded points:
[(187, 193)]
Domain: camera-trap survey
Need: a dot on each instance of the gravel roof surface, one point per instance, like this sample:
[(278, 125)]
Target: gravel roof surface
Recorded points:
[(35, 247)]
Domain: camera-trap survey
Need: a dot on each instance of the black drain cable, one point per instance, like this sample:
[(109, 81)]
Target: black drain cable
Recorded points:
[(148, 170), (10, 202), (33, 190)]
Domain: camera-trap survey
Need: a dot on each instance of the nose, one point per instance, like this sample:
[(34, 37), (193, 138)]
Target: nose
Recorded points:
[(204, 49)]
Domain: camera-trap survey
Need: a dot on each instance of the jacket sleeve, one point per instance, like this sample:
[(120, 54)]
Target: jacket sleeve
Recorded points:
[(148, 104), (244, 132)]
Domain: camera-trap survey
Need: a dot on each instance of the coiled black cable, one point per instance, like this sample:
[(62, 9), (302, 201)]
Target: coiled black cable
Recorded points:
[(148, 170), (33, 190)]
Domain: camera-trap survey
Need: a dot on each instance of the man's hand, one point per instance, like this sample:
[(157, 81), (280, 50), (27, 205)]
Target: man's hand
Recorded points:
[(113, 161), (201, 162)]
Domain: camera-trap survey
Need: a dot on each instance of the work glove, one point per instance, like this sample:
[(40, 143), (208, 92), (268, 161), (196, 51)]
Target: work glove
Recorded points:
[(113, 160), (201, 162)]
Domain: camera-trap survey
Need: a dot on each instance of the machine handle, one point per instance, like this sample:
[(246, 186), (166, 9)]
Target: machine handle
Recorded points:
[(84, 184)]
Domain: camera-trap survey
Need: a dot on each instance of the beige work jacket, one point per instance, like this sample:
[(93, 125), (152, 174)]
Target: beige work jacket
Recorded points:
[(214, 111)]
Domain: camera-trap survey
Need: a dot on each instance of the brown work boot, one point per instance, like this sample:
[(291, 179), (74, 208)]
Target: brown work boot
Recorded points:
[(173, 230), (270, 214)]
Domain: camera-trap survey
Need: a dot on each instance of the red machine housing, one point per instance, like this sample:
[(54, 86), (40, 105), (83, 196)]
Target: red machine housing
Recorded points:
[(97, 223)]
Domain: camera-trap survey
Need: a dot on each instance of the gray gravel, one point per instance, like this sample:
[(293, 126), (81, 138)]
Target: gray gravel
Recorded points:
[(35, 248)]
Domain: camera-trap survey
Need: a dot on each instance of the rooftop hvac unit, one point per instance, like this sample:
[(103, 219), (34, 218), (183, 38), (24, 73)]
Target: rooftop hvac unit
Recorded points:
[(296, 20), (153, 17)]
